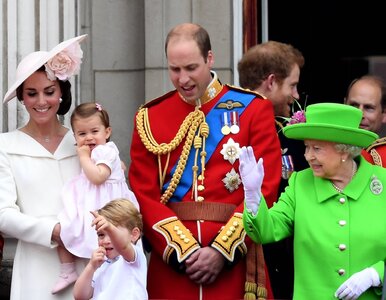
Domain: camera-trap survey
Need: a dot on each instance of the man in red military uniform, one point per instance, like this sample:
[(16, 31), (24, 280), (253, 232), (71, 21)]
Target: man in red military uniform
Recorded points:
[(368, 93), (185, 173)]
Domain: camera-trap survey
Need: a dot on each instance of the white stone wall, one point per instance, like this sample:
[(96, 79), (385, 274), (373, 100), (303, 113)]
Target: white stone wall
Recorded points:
[(27, 26)]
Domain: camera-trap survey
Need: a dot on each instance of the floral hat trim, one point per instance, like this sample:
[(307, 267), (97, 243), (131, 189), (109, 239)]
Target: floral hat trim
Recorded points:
[(65, 64), (298, 116)]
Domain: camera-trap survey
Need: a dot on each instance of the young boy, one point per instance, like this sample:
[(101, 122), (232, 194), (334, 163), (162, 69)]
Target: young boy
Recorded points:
[(118, 268)]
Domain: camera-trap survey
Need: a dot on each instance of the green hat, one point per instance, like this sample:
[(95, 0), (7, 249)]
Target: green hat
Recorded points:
[(331, 122)]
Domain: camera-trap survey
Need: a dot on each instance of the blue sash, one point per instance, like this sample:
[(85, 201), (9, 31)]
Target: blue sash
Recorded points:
[(213, 118)]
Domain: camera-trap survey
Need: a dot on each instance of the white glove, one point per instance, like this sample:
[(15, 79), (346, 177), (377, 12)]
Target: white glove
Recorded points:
[(359, 282), (252, 174)]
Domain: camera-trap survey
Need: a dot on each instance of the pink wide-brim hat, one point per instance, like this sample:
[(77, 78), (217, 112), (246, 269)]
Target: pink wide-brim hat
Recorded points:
[(33, 61)]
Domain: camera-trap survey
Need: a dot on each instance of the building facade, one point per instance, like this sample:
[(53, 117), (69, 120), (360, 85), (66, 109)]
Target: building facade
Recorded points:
[(124, 63)]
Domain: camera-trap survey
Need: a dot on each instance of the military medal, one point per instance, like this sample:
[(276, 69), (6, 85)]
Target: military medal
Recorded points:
[(232, 180), (376, 186), (225, 129), (235, 122), (231, 151), (287, 166)]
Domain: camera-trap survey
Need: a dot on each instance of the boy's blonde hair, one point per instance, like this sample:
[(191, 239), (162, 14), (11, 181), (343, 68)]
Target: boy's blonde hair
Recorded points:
[(122, 212)]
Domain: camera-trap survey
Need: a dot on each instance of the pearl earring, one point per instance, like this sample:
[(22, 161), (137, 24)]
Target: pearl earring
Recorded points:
[(343, 160), (60, 100)]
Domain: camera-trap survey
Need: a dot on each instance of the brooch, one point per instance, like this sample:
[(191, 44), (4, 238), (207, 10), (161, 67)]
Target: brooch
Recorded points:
[(232, 180), (376, 186)]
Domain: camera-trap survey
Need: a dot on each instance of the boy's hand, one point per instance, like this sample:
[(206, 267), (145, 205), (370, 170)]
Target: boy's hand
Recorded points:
[(98, 258), (99, 221)]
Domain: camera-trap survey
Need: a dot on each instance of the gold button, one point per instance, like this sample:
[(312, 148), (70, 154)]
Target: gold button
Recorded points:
[(229, 233), (224, 238), (232, 228), (200, 188), (176, 228), (236, 224), (182, 236), (186, 241), (200, 198)]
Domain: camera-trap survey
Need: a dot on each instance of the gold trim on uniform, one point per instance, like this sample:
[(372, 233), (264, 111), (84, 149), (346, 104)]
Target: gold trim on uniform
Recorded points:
[(378, 142), (374, 153), (376, 157), (231, 236), (213, 89), (178, 237), (237, 88)]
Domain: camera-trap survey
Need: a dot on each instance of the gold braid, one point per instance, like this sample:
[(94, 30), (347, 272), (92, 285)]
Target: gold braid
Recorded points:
[(199, 143), (187, 129)]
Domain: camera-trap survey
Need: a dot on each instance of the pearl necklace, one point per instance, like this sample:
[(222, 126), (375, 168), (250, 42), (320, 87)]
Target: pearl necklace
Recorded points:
[(354, 170), (338, 189)]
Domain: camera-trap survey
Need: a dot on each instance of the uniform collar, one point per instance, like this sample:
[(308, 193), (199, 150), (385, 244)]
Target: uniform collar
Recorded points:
[(213, 89)]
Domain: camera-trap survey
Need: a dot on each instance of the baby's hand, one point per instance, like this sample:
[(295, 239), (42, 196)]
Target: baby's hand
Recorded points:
[(84, 150)]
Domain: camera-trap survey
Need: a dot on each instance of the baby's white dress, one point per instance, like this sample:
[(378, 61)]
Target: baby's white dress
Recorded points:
[(80, 196)]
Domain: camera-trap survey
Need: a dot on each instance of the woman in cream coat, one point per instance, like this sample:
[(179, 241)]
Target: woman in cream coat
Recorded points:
[(35, 161)]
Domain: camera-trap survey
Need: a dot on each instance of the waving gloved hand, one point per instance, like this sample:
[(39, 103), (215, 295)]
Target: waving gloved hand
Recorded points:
[(252, 174), (359, 282)]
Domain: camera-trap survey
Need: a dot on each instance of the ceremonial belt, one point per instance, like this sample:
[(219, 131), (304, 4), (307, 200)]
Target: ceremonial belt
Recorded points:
[(206, 211), (213, 118)]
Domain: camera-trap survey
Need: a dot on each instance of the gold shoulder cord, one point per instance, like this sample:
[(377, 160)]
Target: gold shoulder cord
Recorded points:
[(195, 120)]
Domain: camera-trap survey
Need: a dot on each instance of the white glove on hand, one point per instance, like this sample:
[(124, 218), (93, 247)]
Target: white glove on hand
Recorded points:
[(359, 282), (252, 174)]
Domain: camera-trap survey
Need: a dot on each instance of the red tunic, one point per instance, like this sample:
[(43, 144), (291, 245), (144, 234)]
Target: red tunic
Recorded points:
[(166, 114), (376, 152)]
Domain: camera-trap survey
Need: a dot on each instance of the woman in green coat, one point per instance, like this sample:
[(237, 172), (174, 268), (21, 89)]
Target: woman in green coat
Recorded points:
[(336, 209)]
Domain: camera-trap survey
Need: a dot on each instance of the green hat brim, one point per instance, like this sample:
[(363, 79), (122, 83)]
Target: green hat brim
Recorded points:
[(332, 133)]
